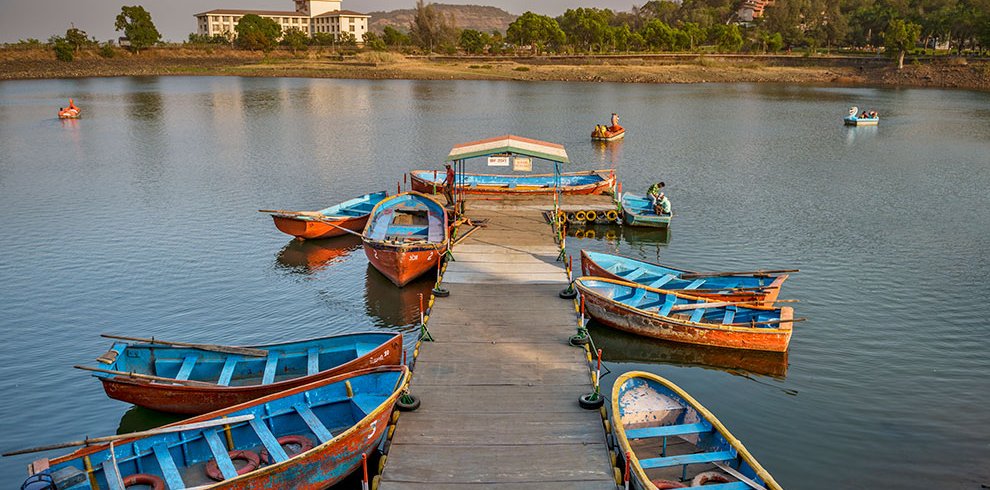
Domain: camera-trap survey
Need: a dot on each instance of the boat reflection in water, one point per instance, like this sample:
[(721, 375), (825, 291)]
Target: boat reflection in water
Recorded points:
[(309, 256), (619, 346), (139, 418), (394, 306)]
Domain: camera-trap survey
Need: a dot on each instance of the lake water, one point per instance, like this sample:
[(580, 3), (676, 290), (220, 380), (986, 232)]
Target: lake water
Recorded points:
[(140, 219)]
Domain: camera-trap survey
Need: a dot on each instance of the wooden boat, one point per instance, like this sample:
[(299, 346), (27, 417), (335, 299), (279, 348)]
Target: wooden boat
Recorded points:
[(610, 133), (672, 441), (194, 381), (638, 211), (406, 236), (746, 288), (854, 118), (326, 223), (678, 317), (587, 182), (308, 437)]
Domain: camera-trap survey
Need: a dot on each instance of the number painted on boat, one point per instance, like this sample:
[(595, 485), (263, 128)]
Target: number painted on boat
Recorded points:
[(380, 358), (374, 429)]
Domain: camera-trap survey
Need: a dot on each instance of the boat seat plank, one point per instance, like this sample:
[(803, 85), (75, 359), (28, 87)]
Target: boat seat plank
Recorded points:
[(313, 422), (696, 284), (171, 472), (112, 475), (663, 280), (730, 314), (187, 366), (697, 314), (668, 430), (313, 361), (270, 367), (684, 459), (228, 370), (635, 274), (668, 304), (219, 451), (637, 296), (268, 440)]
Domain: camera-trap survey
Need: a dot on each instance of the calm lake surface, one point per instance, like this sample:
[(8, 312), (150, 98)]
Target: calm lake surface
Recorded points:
[(140, 219)]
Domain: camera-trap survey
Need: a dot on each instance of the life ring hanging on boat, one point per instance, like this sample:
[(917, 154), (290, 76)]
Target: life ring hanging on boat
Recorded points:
[(250, 457), (665, 484), (144, 479), (304, 443)]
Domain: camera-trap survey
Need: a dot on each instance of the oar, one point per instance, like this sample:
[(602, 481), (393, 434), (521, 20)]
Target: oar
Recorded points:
[(715, 290), (152, 432), (719, 304), (147, 376), (743, 478), (696, 275), (768, 322), (227, 349), (465, 235)]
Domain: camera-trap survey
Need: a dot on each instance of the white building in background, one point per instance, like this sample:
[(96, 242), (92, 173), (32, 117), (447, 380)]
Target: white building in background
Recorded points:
[(310, 16)]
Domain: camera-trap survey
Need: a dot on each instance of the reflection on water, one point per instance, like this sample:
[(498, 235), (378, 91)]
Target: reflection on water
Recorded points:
[(608, 153), (393, 305), (635, 236), (139, 418), (309, 256), (618, 346), (860, 134)]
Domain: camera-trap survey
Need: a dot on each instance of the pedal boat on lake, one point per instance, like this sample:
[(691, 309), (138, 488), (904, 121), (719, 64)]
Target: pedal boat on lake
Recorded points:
[(854, 118), (573, 183), (678, 317), (672, 441), (305, 438), (610, 133), (406, 236), (638, 211), (745, 288), (206, 380), (326, 223)]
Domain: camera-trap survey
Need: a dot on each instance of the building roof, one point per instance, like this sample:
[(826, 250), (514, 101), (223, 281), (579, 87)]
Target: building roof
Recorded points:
[(509, 144), (279, 13), (342, 13)]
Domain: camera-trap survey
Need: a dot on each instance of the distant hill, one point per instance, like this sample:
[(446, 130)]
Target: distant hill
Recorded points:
[(465, 17)]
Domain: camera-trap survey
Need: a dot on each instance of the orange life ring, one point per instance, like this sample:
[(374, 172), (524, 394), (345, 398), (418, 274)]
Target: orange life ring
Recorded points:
[(302, 441), (145, 479), (709, 477), (252, 459), (663, 484)]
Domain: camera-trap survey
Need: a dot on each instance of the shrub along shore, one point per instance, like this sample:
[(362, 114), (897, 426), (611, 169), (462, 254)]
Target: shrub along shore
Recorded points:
[(946, 72)]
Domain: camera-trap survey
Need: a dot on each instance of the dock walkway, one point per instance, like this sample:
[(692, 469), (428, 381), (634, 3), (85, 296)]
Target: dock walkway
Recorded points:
[(499, 385)]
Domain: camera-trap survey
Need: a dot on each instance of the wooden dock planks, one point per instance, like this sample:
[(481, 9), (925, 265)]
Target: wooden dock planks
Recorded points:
[(499, 386)]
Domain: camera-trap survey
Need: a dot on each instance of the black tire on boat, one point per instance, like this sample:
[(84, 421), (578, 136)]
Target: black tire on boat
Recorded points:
[(591, 401), (407, 403)]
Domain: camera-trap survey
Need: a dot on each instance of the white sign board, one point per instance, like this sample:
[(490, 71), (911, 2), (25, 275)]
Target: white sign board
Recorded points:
[(520, 164), (498, 161)]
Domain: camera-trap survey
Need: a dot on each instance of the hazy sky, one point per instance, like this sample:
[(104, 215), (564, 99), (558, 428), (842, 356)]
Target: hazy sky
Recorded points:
[(21, 19)]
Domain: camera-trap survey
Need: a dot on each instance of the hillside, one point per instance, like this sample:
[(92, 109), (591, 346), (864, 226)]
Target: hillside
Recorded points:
[(465, 17)]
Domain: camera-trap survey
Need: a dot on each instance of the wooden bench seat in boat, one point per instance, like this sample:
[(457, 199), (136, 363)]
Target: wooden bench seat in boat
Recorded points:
[(268, 440), (669, 430), (686, 459), (313, 422), (219, 450)]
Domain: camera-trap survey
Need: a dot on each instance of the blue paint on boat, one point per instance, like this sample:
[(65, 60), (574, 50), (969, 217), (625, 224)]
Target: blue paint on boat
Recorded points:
[(681, 433), (510, 180), (665, 277), (358, 206), (407, 217), (638, 211)]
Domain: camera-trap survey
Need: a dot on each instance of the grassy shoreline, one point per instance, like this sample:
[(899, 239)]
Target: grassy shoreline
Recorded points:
[(683, 68)]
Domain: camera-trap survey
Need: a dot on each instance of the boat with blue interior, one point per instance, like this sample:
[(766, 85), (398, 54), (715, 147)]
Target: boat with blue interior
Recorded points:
[(638, 211), (328, 222), (670, 440), (585, 182), (406, 236)]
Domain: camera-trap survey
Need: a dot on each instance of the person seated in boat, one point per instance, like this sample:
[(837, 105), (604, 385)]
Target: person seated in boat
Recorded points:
[(865, 115), (873, 114), (662, 206), (615, 124), (655, 193)]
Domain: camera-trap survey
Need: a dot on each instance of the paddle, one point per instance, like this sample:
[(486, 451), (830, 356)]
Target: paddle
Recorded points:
[(147, 376), (227, 349), (743, 478), (152, 432), (768, 322), (720, 304), (696, 275), (465, 235)]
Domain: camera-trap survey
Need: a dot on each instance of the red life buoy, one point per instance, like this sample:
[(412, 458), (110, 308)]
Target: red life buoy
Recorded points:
[(663, 484), (144, 479), (250, 457), (710, 477), (302, 441)]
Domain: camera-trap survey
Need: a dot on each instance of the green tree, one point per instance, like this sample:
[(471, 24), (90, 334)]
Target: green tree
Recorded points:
[(77, 38), (394, 37), (728, 38), (63, 50), (586, 29), (138, 28), (432, 29), (295, 39), (374, 42), (899, 37), (257, 33), (658, 35), (695, 33), (537, 31), (474, 42)]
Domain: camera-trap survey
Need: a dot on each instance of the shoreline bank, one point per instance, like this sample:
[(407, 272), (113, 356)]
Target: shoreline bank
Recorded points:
[(678, 68)]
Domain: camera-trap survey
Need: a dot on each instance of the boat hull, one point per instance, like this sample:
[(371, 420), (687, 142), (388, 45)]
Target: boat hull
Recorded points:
[(633, 219), (628, 319), (602, 186), (610, 136), (768, 295), (855, 121), (402, 264), (309, 230), (194, 399)]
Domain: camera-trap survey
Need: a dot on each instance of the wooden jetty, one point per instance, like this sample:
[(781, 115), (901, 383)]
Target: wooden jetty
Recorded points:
[(499, 384)]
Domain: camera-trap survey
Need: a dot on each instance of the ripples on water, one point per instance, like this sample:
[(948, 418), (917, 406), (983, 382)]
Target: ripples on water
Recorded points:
[(140, 219)]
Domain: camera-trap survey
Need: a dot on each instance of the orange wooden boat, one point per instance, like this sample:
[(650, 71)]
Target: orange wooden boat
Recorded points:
[(406, 236), (330, 222), (610, 133)]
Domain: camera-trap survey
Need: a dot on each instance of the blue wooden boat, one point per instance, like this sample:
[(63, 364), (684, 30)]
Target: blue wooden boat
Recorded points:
[(586, 182), (638, 211), (406, 236), (677, 317), (672, 441), (307, 438), (193, 381), (328, 222), (759, 288)]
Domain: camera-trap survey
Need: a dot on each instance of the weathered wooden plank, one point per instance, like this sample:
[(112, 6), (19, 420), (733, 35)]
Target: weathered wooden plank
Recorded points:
[(544, 485), (508, 277), (539, 332), (474, 373), (523, 398), (504, 352), (497, 429)]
